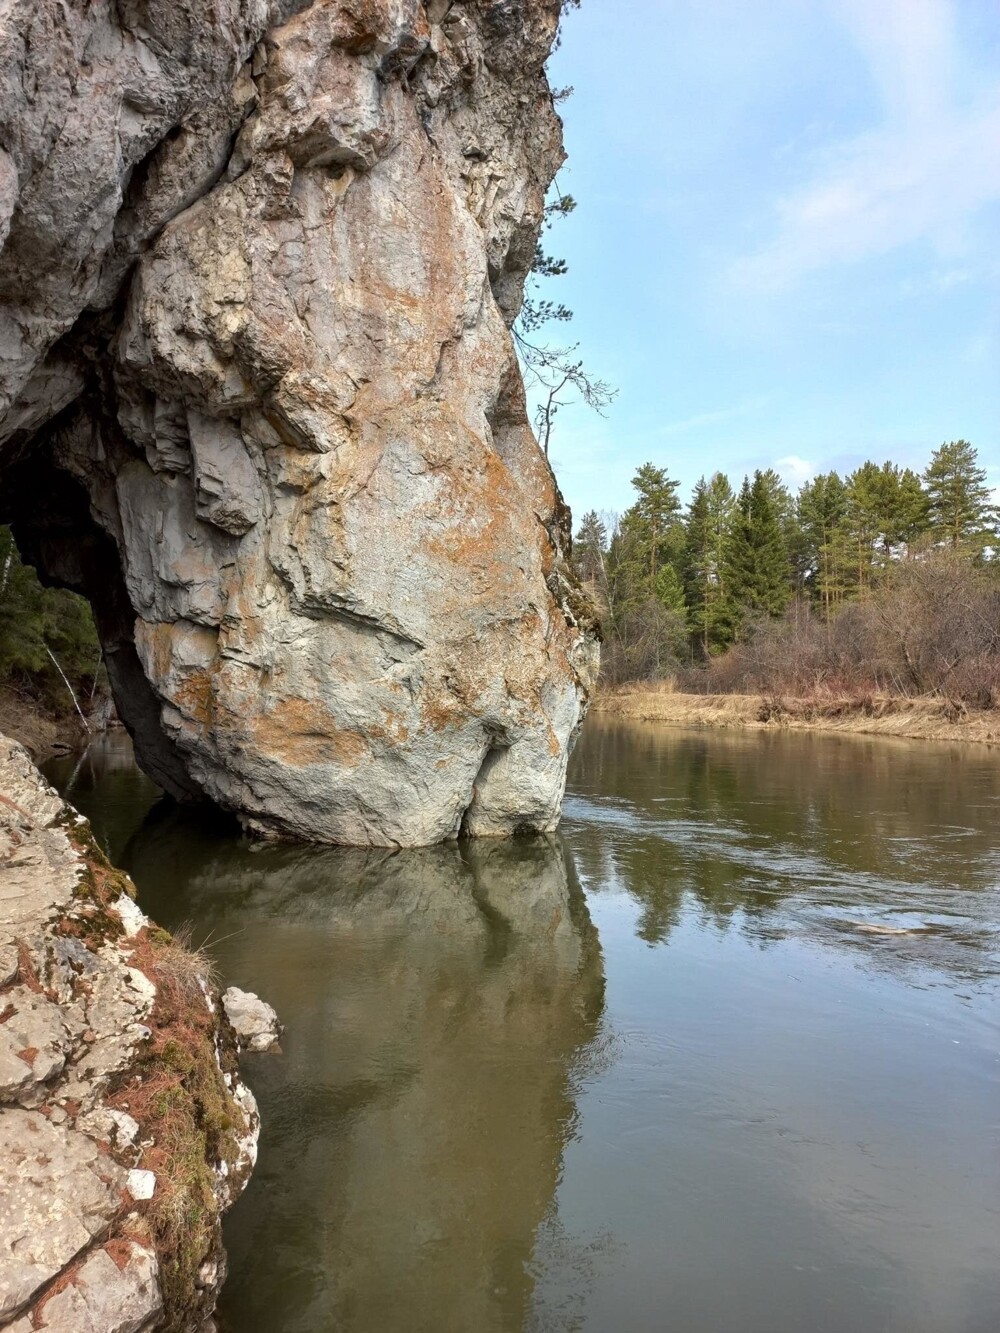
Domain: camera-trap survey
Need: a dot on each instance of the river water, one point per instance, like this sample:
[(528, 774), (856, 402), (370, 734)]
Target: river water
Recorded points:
[(721, 1058)]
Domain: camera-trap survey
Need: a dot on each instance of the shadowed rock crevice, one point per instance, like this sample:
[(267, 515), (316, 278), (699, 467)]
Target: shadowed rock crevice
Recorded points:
[(58, 535), (282, 246)]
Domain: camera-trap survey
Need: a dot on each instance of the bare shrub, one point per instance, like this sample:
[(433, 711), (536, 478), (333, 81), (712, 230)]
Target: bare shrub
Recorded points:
[(931, 626), (648, 643)]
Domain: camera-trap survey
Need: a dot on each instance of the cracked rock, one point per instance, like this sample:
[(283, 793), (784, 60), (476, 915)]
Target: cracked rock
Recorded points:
[(34, 1040), (58, 1191), (77, 1019), (105, 1295)]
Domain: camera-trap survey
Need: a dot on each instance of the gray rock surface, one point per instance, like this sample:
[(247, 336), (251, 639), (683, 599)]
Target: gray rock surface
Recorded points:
[(80, 995), (34, 1040), (255, 1023), (59, 1193), (259, 399), (106, 1295)]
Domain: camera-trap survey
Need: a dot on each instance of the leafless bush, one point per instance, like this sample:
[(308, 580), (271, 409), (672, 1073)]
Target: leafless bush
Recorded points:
[(647, 643), (931, 626)]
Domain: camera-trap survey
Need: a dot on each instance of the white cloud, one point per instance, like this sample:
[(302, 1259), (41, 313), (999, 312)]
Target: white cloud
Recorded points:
[(911, 49), (795, 470), (922, 175)]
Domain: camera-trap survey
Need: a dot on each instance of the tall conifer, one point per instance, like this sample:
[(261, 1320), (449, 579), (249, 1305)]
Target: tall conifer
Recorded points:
[(961, 509), (710, 607), (757, 560)]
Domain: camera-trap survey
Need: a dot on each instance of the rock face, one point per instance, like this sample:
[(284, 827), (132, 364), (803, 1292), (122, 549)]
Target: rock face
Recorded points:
[(125, 1130), (259, 400)]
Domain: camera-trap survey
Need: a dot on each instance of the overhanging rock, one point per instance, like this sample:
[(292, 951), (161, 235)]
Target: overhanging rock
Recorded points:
[(259, 399)]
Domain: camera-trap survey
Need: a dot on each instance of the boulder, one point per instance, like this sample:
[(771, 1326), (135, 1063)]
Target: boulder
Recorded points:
[(255, 1023)]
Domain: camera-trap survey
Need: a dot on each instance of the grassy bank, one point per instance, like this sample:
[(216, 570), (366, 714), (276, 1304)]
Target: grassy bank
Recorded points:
[(920, 719)]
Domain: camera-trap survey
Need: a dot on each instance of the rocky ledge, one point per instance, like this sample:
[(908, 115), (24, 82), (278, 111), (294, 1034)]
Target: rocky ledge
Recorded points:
[(125, 1129), (259, 399)]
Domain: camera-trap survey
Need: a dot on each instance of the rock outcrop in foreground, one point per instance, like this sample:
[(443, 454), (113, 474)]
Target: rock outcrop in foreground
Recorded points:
[(125, 1130), (259, 400)]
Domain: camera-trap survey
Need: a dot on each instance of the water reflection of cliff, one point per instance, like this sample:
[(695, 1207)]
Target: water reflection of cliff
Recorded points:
[(440, 1005), (836, 839)]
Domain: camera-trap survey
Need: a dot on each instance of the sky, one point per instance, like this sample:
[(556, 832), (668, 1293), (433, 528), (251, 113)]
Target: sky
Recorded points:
[(786, 250)]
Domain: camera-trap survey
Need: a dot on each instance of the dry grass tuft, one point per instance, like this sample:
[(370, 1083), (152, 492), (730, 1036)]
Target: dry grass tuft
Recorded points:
[(183, 968)]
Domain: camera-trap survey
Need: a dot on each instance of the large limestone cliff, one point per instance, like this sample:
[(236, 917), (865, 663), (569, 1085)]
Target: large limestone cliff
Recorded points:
[(259, 399)]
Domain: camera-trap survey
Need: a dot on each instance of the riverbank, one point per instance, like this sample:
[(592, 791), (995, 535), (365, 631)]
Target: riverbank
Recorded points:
[(125, 1128), (42, 730), (916, 719)]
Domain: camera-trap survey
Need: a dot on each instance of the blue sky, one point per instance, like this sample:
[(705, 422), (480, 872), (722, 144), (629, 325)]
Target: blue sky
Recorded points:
[(787, 246)]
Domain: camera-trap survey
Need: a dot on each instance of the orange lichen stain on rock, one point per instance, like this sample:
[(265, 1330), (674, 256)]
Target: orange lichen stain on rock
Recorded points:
[(157, 641), (301, 732), (195, 697), (392, 728), (440, 709), (482, 536), (188, 655), (355, 26)]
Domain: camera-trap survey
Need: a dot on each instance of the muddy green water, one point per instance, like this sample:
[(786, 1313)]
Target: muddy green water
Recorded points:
[(722, 1058)]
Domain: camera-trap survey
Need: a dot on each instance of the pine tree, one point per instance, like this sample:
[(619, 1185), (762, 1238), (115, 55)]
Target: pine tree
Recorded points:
[(783, 504), (670, 592), (822, 510), (908, 516), (863, 519), (710, 606), (887, 509), (780, 497), (653, 517), (757, 559), (648, 615), (772, 584), (961, 511), (589, 548)]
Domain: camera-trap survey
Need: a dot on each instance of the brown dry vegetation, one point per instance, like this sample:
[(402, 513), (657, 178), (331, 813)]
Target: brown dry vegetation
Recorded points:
[(24, 720), (176, 1092), (931, 629), (182, 968), (924, 718)]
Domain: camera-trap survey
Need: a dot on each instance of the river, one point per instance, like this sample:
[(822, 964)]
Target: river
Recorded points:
[(720, 1058)]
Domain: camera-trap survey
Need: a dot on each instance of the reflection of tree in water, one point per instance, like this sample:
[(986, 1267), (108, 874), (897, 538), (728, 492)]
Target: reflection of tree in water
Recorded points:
[(796, 834), (441, 1006)]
